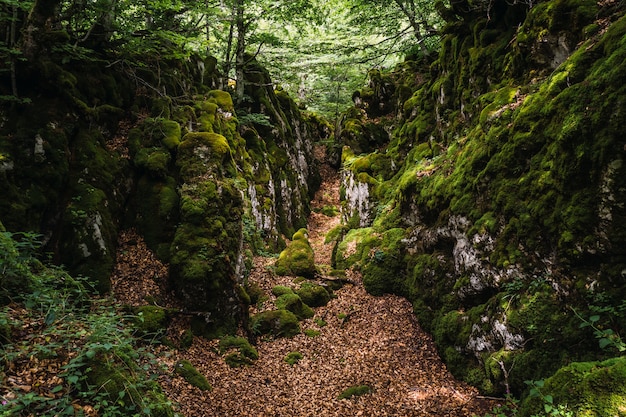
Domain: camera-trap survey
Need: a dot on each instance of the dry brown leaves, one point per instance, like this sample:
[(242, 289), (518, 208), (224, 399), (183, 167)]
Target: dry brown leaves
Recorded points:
[(138, 275)]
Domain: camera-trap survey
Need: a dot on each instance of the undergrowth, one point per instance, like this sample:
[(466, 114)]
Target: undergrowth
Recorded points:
[(64, 352)]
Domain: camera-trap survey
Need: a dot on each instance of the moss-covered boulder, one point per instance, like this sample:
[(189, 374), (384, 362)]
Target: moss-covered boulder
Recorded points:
[(279, 323), (150, 321), (293, 357), (279, 290), (238, 351), (185, 369), (293, 303), (298, 258), (313, 295), (586, 389)]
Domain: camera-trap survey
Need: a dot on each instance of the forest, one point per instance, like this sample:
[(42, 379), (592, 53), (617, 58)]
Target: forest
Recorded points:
[(312, 208)]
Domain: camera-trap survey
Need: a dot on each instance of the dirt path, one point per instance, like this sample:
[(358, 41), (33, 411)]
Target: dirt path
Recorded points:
[(373, 341)]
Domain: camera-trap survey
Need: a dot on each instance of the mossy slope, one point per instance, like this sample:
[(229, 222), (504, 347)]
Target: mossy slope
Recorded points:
[(502, 207)]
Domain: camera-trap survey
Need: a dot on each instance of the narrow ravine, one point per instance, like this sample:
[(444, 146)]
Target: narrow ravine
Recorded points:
[(362, 340)]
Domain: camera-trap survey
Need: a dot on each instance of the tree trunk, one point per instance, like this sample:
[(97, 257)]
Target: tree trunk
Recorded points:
[(227, 64), (240, 53), (40, 20)]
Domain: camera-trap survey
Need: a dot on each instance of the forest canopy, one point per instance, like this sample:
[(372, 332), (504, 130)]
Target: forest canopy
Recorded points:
[(316, 50)]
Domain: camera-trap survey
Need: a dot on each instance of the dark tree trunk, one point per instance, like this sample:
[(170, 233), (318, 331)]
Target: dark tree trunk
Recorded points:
[(40, 20)]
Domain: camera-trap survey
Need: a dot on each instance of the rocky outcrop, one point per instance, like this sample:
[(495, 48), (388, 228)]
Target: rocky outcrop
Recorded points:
[(98, 149), (496, 206)]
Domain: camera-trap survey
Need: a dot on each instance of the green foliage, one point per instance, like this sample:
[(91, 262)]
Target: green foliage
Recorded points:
[(607, 338), (549, 408), (99, 356)]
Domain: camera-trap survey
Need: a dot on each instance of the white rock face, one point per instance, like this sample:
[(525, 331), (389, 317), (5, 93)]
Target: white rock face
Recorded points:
[(357, 200)]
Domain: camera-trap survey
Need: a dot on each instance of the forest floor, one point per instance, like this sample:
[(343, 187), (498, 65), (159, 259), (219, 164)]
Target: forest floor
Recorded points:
[(356, 339)]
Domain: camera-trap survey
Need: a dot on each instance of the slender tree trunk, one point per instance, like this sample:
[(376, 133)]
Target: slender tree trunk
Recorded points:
[(240, 53), (227, 64), (40, 19), (12, 40)]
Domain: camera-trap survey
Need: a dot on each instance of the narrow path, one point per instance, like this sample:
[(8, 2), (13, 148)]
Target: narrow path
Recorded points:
[(373, 341)]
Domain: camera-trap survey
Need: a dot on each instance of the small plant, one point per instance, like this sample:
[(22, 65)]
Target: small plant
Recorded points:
[(355, 391), (550, 409), (508, 409), (607, 338), (293, 357)]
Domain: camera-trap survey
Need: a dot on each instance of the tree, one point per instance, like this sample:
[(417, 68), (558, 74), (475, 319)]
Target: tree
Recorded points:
[(256, 23)]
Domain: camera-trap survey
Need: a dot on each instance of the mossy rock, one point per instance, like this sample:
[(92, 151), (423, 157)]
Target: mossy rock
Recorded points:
[(298, 258), (255, 292), (171, 134), (150, 321), (185, 369), (313, 295), (355, 391), (223, 99), (201, 152), (587, 389), (155, 161), (279, 323), (279, 290), (293, 357), (118, 382), (244, 353), (293, 303)]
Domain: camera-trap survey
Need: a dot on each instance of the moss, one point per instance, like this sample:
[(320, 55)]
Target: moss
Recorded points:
[(313, 295), (279, 323), (589, 389), (199, 149), (155, 161), (293, 357), (223, 99), (187, 339), (171, 134), (355, 391), (293, 303), (279, 290), (244, 353), (311, 332), (118, 382), (297, 258), (150, 321), (185, 369)]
